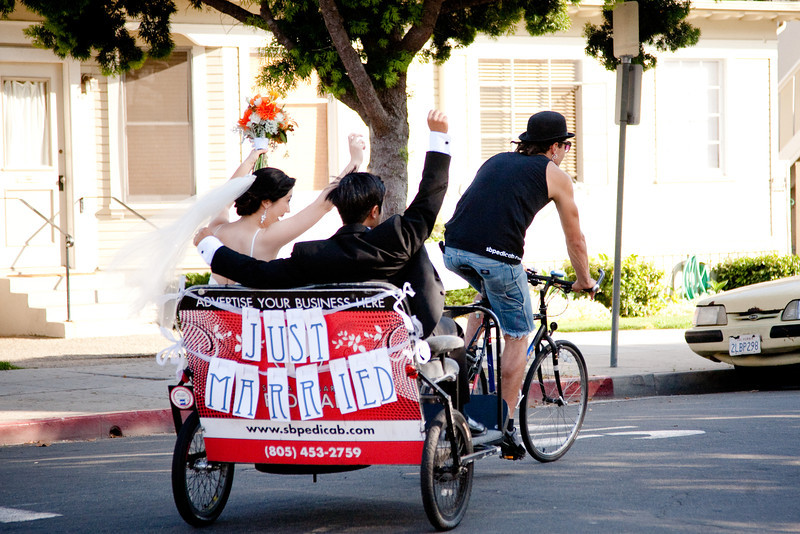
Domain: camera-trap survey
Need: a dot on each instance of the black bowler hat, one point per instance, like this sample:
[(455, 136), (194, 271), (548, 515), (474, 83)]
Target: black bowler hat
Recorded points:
[(546, 127)]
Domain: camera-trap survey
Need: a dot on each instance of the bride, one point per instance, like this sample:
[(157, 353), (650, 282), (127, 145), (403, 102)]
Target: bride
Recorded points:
[(260, 231), (261, 199)]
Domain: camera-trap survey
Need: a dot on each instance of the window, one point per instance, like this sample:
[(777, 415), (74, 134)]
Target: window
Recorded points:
[(511, 90), (305, 154), (789, 109), (26, 124), (159, 130), (688, 119)]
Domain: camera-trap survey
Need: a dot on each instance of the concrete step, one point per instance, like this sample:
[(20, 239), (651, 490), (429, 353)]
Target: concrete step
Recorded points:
[(99, 305)]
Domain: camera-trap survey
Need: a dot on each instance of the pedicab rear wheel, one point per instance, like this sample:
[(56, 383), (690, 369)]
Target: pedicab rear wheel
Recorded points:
[(200, 488), (446, 488)]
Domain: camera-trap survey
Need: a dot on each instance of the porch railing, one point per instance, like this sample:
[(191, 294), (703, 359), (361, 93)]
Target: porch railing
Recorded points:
[(121, 203), (69, 242)]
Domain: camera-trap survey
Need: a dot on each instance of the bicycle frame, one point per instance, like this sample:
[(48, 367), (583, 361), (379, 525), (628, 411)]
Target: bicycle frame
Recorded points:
[(490, 328)]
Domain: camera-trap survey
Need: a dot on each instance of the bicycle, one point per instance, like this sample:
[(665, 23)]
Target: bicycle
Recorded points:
[(554, 394)]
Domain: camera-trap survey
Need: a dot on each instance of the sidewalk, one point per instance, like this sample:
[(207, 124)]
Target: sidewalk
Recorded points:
[(97, 387)]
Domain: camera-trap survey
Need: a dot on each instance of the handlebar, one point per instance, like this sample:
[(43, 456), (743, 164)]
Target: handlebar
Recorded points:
[(556, 278)]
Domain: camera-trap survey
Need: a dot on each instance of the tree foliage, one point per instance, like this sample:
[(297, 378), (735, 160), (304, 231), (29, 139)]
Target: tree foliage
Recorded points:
[(661, 24), (80, 27), (360, 49)]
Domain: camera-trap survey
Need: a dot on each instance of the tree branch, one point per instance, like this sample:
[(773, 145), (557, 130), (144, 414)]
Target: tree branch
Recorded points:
[(378, 118), (230, 9), (451, 6), (272, 24), (418, 35)]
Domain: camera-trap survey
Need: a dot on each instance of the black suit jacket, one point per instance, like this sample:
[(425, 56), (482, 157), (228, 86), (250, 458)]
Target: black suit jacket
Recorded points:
[(393, 251)]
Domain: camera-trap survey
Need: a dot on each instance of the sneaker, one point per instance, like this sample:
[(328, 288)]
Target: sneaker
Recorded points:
[(512, 448)]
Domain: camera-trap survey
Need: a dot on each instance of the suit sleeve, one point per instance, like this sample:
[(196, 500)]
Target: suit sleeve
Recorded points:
[(411, 229), (276, 274)]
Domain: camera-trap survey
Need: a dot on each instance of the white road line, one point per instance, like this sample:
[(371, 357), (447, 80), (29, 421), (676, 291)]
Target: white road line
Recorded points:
[(658, 434), (15, 515)]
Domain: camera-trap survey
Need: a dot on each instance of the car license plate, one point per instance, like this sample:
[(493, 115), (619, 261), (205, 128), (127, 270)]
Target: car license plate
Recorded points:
[(745, 344)]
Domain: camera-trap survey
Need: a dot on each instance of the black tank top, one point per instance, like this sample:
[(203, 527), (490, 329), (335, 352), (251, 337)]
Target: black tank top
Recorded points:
[(495, 211)]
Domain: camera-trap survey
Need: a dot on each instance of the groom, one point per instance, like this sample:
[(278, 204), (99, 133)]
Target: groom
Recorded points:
[(362, 249)]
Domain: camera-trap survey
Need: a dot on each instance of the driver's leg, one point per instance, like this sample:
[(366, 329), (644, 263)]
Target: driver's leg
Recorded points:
[(513, 369)]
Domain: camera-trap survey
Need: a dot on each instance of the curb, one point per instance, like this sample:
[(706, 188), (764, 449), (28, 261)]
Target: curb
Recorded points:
[(655, 384), (147, 422), (84, 427)]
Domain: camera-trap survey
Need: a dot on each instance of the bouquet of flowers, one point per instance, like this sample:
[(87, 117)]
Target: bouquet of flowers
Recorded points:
[(266, 123)]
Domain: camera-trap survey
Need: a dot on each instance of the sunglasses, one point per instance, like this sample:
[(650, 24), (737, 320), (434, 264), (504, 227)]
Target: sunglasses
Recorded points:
[(567, 145)]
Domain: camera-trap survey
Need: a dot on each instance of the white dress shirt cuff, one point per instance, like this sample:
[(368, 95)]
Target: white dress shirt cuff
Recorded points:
[(208, 247), (440, 142)]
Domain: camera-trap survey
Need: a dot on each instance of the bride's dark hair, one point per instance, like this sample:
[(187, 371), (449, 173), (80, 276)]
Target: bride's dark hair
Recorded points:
[(270, 184)]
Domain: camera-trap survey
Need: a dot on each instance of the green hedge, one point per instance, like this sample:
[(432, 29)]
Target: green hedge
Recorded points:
[(745, 271), (642, 291), (197, 279)]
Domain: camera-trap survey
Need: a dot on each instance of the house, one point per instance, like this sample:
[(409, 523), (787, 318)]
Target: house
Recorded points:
[(789, 120), (88, 161)]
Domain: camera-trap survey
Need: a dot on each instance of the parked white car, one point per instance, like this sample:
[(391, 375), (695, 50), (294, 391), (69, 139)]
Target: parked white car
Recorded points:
[(756, 325)]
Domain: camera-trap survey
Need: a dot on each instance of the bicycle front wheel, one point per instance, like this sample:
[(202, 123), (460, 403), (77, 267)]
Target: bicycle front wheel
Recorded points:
[(554, 397)]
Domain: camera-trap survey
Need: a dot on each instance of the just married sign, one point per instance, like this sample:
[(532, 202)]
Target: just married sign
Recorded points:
[(308, 376)]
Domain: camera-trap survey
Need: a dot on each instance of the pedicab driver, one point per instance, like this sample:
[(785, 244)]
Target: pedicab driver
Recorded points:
[(484, 241)]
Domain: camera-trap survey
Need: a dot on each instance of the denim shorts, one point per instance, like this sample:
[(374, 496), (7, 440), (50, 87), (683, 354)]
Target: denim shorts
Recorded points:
[(504, 284)]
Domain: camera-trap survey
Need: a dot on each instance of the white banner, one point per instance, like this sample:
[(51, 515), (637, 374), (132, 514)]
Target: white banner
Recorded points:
[(314, 430)]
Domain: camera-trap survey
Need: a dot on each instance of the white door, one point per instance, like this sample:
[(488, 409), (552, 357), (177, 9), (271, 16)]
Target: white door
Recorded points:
[(31, 166)]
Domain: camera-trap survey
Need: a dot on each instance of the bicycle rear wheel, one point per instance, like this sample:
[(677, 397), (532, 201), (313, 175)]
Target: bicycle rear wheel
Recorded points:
[(446, 488), (555, 393)]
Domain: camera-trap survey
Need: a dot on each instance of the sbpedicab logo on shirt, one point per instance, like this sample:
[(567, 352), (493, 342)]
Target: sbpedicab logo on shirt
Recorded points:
[(296, 339)]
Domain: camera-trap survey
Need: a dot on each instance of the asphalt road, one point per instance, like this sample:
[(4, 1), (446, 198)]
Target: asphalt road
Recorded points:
[(695, 464)]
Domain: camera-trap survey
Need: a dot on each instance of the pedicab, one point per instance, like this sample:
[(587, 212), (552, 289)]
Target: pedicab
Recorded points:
[(313, 381)]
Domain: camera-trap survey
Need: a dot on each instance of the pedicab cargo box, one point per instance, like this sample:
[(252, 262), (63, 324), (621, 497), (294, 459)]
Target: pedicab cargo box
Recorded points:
[(313, 376)]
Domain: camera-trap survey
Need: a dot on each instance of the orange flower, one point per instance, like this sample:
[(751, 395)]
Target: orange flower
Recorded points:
[(245, 118), (267, 125), (267, 109)]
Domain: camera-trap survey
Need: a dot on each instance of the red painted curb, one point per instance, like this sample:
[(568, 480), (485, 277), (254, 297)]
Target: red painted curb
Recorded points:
[(144, 422), (136, 423), (601, 387)]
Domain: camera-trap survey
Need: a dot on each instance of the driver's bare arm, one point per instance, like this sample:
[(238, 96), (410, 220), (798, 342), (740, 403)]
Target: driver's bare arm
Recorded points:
[(559, 186)]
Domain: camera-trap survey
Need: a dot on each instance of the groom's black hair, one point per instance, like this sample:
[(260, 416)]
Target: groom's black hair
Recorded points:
[(356, 195)]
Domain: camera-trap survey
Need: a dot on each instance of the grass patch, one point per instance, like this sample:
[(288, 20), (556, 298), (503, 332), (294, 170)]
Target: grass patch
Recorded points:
[(626, 323), (7, 366), (583, 315)]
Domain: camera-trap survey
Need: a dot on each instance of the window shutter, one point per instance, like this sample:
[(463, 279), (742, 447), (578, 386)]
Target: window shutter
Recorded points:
[(159, 129), (511, 90)]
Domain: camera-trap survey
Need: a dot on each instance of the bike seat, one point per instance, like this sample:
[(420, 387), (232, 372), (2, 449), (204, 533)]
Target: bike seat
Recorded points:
[(443, 344), (467, 270)]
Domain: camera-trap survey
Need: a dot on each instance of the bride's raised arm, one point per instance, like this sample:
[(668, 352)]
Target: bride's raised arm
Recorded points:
[(286, 230)]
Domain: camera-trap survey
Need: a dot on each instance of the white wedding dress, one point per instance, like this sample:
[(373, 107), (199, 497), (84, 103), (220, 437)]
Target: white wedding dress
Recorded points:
[(153, 258)]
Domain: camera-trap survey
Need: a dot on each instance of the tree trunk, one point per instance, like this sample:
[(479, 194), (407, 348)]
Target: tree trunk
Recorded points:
[(389, 151)]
